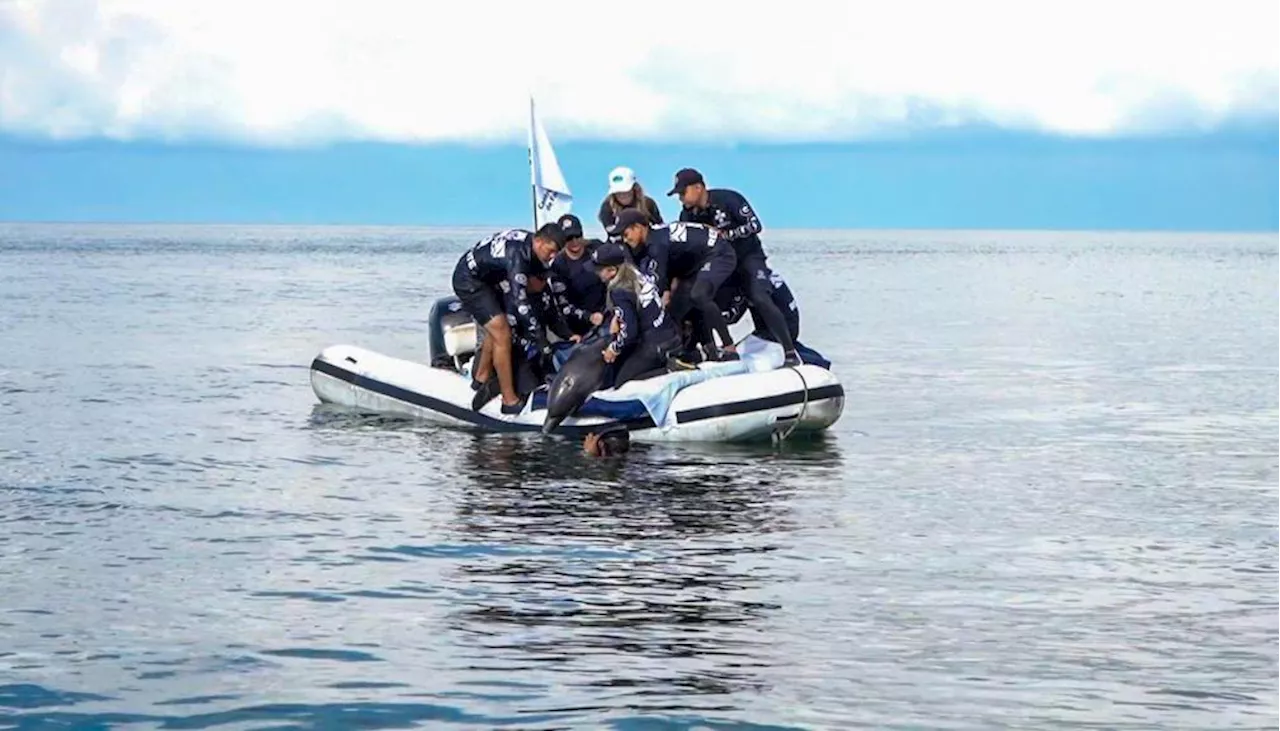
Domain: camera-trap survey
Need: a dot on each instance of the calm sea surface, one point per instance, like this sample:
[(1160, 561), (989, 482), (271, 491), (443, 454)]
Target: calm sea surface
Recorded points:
[(1051, 501)]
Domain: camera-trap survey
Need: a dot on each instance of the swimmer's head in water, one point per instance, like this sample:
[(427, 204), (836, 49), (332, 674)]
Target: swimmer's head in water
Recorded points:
[(611, 442)]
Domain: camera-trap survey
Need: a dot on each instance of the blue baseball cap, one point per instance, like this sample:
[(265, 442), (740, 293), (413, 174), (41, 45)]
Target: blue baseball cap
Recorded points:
[(609, 255), (571, 225), (685, 178)]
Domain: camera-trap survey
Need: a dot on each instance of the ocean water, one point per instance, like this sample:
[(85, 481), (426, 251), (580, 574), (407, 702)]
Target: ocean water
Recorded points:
[(1051, 501)]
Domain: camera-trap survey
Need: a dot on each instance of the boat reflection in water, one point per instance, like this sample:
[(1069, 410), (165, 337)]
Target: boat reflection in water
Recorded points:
[(651, 573)]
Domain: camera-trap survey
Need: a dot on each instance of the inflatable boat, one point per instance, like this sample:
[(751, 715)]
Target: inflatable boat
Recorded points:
[(754, 398)]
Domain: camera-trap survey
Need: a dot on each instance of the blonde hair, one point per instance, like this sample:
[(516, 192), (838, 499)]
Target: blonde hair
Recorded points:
[(640, 202), (628, 277)]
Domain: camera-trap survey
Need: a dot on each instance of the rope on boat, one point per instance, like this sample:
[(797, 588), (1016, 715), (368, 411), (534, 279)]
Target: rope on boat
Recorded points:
[(804, 408), (780, 437)]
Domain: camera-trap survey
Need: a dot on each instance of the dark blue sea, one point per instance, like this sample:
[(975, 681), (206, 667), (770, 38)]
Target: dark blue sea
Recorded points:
[(1051, 501)]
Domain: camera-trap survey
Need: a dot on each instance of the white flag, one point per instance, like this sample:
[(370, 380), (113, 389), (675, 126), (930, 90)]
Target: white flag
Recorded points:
[(551, 196)]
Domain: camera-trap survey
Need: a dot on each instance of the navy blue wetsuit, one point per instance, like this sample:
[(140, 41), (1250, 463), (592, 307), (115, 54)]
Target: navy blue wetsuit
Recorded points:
[(646, 333), (492, 279), (734, 304), (730, 213), (532, 368), (577, 289), (700, 258)]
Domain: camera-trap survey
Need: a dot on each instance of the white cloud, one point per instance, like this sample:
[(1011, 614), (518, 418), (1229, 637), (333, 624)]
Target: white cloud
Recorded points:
[(280, 71)]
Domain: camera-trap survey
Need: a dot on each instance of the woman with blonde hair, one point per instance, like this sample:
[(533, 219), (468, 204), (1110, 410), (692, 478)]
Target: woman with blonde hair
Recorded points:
[(626, 192), (644, 336)]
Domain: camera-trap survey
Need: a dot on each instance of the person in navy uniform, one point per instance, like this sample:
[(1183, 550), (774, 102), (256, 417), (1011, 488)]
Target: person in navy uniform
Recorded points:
[(644, 335), (534, 366), (579, 294), (733, 304), (492, 280), (690, 258), (729, 212)]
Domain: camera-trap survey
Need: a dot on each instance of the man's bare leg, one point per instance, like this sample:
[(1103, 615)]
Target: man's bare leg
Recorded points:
[(500, 335), (484, 363)]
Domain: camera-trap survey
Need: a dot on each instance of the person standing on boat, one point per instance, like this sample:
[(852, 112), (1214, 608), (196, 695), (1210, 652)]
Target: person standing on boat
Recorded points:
[(729, 212), (508, 257), (644, 335), (578, 292), (694, 254), (625, 192)]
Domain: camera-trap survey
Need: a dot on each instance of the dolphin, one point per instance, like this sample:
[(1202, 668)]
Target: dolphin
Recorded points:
[(580, 376)]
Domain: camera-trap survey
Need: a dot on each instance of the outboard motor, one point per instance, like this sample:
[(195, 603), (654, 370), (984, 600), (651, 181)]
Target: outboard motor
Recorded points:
[(452, 335)]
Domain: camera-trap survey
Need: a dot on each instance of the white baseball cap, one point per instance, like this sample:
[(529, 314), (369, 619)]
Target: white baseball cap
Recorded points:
[(621, 180)]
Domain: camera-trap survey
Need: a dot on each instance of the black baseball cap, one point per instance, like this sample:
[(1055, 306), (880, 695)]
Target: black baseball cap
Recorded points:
[(685, 178), (608, 255), (571, 225), (628, 217)]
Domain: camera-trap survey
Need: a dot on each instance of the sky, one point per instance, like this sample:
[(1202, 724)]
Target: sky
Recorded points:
[(983, 114)]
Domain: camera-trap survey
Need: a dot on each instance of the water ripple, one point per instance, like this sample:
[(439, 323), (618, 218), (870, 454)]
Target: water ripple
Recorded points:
[(1051, 502)]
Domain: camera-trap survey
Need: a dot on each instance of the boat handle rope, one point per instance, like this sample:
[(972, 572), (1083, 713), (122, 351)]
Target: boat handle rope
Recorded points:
[(781, 437), (804, 406)]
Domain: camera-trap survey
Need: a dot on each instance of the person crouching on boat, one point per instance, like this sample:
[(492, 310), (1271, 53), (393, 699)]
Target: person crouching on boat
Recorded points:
[(694, 254), (782, 298), (510, 256), (626, 193), (644, 335), (534, 366), (578, 292), (734, 302)]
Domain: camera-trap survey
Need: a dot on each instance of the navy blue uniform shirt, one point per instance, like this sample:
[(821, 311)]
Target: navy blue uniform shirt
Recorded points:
[(730, 213)]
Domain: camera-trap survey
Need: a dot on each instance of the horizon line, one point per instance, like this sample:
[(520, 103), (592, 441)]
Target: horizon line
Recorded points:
[(499, 226)]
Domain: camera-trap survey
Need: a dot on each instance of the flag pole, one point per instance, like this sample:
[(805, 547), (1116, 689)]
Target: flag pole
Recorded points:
[(533, 187)]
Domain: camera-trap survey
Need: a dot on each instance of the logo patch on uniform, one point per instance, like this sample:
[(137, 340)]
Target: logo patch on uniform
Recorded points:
[(522, 280)]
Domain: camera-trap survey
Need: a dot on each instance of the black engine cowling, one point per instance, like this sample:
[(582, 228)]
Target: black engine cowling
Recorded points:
[(446, 312)]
